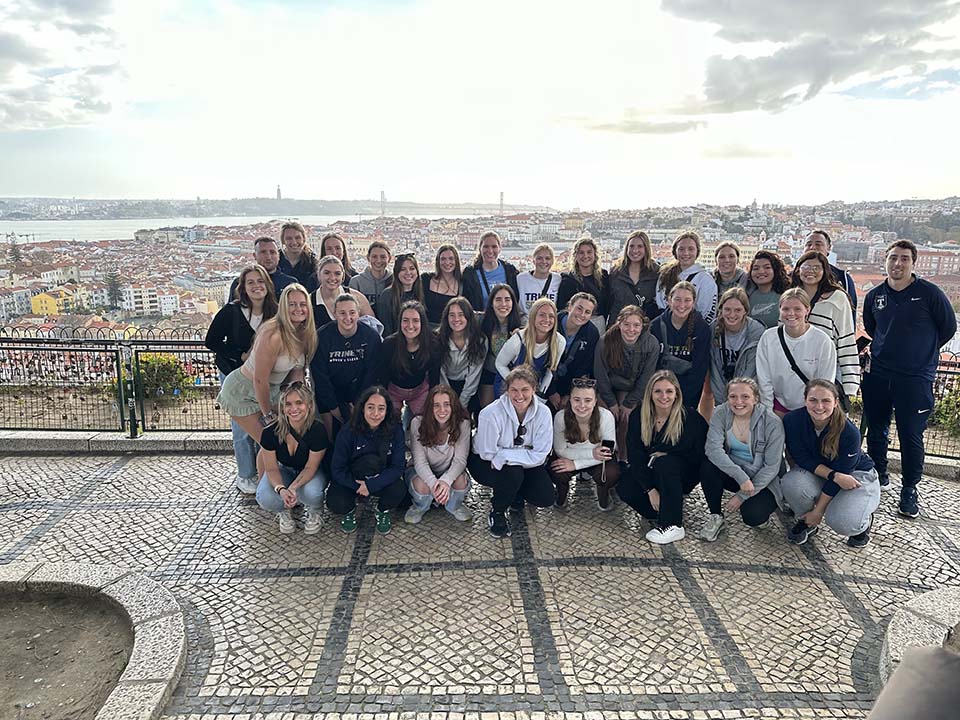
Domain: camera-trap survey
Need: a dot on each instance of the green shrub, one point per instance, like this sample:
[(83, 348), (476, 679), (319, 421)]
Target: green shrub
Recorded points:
[(162, 377), (946, 412)]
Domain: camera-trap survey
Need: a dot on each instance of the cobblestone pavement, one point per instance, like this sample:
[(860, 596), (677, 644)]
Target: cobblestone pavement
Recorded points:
[(576, 616)]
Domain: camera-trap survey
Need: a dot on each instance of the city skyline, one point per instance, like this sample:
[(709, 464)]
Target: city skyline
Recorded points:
[(629, 105)]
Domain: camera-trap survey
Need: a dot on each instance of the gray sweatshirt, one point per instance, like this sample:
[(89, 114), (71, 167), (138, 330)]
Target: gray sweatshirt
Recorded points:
[(371, 288), (746, 365), (456, 367), (766, 444)]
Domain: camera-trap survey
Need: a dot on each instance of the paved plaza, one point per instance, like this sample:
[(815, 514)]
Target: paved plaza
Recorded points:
[(574, 616)]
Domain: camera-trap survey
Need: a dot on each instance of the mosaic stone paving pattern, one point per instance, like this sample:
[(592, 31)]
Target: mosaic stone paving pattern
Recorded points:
[(576, 616)]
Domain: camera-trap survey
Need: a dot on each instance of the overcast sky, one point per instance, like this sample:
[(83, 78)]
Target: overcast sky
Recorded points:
[(568, 104)]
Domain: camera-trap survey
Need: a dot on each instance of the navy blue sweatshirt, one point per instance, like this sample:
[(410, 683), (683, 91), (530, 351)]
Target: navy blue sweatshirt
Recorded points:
[(571, 284), (343, 367), (305, 271), (803, 444), (845, 281), (908, 329), (675, 343), (577, 358), (352, 445)]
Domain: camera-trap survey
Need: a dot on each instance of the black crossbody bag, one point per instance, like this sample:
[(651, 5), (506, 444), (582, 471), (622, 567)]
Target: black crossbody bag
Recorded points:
[(844, 402)]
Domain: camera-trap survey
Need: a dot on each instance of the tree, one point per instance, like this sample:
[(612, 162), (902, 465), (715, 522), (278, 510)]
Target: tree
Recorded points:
[(113, 289), (14, 252)]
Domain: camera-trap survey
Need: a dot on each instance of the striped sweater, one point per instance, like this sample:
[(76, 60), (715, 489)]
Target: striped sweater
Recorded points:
[(834, 316)]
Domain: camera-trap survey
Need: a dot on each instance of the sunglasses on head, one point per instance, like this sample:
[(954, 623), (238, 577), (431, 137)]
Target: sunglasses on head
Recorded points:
[(584, 382)]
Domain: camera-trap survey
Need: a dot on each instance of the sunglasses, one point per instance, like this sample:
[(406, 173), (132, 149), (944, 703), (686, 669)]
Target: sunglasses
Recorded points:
[(294, 385), (521, 431), (584, 382)]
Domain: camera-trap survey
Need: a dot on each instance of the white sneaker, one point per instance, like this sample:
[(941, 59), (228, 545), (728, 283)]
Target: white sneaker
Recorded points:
[(312, 522), (667, 535), (248, 486), (462, 513), (287, 525), (414, 515), (712, 527)]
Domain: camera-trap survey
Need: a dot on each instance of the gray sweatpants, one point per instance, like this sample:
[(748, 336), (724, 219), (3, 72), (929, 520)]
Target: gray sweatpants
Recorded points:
[(849, 511)]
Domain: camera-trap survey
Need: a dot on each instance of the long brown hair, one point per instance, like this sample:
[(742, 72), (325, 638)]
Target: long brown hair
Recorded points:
[(269, 302), (347, 267), (781, 281), (457, 272), (401, 359), (613, 339), (670, 273), (431, 434), (478, 258), (622, 263), (397, 288), (571, 425), (723, 246), (476, 343), (827, 283), (735, 293), (830, 439)]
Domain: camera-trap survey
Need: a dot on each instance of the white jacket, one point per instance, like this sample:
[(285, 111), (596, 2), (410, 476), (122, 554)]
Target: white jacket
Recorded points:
[(814, 353), (706, 291), (497, 429), (582, 452)]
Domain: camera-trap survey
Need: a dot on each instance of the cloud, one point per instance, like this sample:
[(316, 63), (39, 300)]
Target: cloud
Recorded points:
[(632, 126), (736, 151)]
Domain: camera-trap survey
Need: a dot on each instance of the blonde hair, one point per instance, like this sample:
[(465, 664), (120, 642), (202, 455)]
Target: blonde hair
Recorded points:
[(749, 382), (540, 248), (293, 340), (597, 270), (622, 263), (735, 293), (673, 428), (799, 294), (283, 422), (530, 335)]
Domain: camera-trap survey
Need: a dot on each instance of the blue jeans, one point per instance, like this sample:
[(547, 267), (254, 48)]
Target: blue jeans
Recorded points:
[(310, 495), (423, 502), (244, 448)]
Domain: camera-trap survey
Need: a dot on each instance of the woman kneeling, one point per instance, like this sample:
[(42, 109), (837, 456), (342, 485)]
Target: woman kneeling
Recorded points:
[(744, 453), (289, 461), (831, 478)]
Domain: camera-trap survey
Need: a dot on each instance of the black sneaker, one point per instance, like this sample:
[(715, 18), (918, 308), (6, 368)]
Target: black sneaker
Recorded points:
[(800, 533), (517, 504), (498, 525), (909, 502), (884, 480), (861, 539)]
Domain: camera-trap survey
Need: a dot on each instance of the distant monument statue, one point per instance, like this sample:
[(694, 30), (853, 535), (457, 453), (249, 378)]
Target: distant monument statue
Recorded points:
[(279, 197)]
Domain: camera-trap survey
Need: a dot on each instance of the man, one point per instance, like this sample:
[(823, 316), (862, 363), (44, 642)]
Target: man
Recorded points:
[(376, 278), (820, 241), (344, 364), (909, 320), (298, 259), (266, 252)]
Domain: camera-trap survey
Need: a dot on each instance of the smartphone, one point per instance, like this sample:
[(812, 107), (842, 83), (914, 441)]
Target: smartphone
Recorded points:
[(608, 444)]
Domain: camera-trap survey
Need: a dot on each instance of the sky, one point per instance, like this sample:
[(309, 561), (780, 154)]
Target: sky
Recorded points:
[(614, 104)]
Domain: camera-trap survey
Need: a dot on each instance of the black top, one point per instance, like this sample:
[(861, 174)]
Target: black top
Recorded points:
[(390, 372), (690, 445), (229, 336), (435, 302), (315, 440), (474, 293), (571, 284), (305, 271)]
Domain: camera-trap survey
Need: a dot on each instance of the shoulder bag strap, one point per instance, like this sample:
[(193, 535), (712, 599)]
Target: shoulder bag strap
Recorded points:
[(546, 285), (786, 351)]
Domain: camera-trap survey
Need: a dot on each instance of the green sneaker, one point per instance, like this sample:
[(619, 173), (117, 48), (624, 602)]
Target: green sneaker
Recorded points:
[(348, 523), (384, 522)]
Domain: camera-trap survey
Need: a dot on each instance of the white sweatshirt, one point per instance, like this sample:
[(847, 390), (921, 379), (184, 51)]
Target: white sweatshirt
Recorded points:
[(511, 351), (814, 353), (582, 452), (529, 289), (497, 429), (706, 291)]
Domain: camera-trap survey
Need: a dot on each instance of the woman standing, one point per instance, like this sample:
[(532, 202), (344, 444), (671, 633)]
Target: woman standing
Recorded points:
[(377, 277), (633, 279), (514, 436), (463, 350), (768, 280), (487, 271), (442, 285), (665, 444), (410, 360), (581, 337), (831, 312), (289, 461), (282, 347), (728, 274), (230, 337), (334, 244), (686, 250), (539, 346), (539, 282), (625, 360), (297, 259), (369, 459), (586, 275), (501, 318), (407, 285), (331, 285), (831, 478), (790, 355), (440, 445), (734, 339), (744, 452), (583, 437), (684, 341)]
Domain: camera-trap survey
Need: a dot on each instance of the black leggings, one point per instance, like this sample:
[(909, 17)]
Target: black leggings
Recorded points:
[(755, 510), (341, 499), (671, 476), (513, 481)]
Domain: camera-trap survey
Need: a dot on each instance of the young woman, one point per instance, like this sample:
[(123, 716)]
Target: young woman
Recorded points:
[(767, 282), (334, 244), (440, 445), (625, 360), (442, 285), (514, 436), (289, 461), (728, 274), (831, 312), (734, 339), (581, 337), (686, 250), (539, 346), (487, 271), (744, 451), (831, 478), (633, 278), (501, 318), (463, 350), (297, 259), (377, 276), (407, 285), (539, 282), (331, 285), (586, 275), (369, 459), (684, 341), (583, 437), (230, 337), (665, 445), (790, 355), (410, 360), (283, 346)]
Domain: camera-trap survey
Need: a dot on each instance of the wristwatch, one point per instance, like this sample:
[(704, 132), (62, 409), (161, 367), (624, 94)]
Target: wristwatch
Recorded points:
[(832, 474), (279, 489), (269, 419)]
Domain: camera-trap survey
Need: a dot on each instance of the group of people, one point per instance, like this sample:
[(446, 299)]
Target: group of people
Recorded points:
[(645, 378)]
